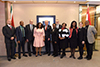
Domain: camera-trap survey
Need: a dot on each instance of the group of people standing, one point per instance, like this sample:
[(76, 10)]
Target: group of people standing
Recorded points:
[(39, 36)]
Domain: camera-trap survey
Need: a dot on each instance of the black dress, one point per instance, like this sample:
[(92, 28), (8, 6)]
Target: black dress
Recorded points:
[(64, 42), (73, 39)]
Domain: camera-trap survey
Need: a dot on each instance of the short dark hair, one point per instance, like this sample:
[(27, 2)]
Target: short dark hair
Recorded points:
[(53, 23), (72, 24), (37, 26), (64, 23)]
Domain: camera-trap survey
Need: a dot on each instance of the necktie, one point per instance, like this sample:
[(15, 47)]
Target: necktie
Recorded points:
[(10, 27), (31, 27), (46, 28)]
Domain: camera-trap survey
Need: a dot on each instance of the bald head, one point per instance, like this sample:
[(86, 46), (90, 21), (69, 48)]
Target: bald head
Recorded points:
[(9, 21), (31, 21), (46, 22), (87, 23), (57, 21)]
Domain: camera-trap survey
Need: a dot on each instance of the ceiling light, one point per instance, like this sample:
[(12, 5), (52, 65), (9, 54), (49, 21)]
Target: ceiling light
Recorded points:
[(74, 1)]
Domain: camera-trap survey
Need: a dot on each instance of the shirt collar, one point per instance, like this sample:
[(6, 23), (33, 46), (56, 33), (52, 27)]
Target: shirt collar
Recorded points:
[(9, 25)]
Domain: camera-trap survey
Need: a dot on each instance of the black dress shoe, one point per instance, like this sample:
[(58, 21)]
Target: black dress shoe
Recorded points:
[(74, 57), (49, 54), (9, 59), (55, 55), (30, 55), (19, 57), (88, 58), (25, 55), (13, 58), (36, 55), (80, 58), (40, 54), (61, 56), (70, 56)]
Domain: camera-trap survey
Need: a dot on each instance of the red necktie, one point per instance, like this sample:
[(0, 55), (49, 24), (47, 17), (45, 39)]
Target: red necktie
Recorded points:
[(10, 28), (46, 28)]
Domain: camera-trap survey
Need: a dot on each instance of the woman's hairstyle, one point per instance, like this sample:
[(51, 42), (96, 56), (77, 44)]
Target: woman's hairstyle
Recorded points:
[(54, 23), (37, 26), (72, 24), (64, 23)]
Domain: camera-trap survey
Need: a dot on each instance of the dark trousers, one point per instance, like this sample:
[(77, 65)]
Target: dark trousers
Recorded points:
[(47, 46), (10, 48), (63, 52), (29, 45), (55, 48), (89, 49), (21, 45), (81, 49), (59, 49)]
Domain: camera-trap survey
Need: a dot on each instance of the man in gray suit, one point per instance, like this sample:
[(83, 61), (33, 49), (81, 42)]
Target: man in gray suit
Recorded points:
[(90, 39)]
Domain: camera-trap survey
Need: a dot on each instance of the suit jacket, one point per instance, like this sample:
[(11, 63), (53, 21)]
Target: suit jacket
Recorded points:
[(47, 32), (54, 35), (29, 33), (81, 34), (60, 26), (19, 33), (91, 31), (8, 33)]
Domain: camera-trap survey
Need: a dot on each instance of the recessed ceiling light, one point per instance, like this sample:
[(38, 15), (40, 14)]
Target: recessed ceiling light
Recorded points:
[(14, 1), (74, 1)]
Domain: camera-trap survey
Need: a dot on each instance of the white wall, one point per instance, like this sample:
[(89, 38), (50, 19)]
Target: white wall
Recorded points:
[(63, 12)]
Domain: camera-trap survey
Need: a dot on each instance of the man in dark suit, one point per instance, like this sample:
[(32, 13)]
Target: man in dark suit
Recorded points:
[(29, 37), (9, 34), (47, 29), (20, 33), (81, 39), (55, 38), (90, 39), (58, 26)]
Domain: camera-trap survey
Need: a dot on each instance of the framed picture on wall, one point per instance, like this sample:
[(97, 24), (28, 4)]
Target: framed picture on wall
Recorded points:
[(42, 18)]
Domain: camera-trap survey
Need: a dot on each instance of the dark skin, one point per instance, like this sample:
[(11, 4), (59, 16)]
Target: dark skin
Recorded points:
[(73, 50), (74, 25), (21, 24)]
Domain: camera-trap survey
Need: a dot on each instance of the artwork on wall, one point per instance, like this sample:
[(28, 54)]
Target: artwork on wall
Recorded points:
[(42, 18)]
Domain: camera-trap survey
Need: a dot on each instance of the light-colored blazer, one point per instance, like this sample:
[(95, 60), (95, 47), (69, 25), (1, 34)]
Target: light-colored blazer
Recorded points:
[(90, 34)]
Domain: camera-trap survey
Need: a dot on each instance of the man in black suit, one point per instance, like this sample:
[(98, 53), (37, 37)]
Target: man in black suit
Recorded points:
[(58, 26), (81, 39), (29, 37), (55, 38), (47, 29), (20, 33), (9, 34)]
